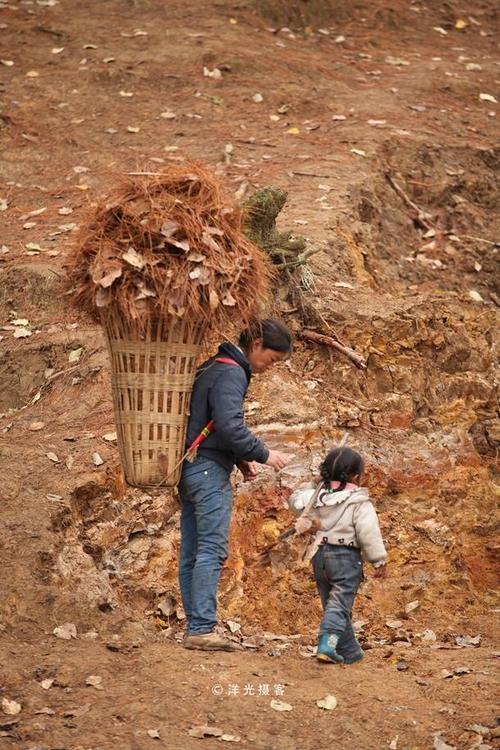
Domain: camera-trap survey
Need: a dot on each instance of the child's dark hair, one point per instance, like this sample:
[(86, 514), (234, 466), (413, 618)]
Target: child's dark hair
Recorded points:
[(274, 335), (340, 465)]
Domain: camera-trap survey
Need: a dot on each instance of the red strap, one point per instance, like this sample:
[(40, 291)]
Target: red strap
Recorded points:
[(226, 361), (209, 427)]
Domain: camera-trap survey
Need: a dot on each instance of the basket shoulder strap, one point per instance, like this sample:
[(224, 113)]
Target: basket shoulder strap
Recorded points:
[(227, 361)]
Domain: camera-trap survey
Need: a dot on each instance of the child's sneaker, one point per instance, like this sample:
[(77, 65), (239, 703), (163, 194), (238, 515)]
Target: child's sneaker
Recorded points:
[(354, 656), (327, 649)]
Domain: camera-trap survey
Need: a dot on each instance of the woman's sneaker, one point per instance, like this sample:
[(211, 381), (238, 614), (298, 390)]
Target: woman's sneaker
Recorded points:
[(210, 642), (327, 649)]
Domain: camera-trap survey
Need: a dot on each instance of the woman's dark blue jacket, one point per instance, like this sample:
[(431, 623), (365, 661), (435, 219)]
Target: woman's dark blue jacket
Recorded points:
[(218, 394)]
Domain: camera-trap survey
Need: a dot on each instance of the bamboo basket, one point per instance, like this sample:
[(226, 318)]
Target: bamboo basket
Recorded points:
[(152, 377)]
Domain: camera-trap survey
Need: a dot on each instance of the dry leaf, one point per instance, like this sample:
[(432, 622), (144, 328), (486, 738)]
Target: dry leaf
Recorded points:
[(358, 152), (133, 258), (181, 244), (394, 624), (197, 257), (11, 708), (110, 277), (439, 744), (229, 300), (52, 457), (66, 631), (75, 354), (36, 426), (144, 292), (201, 731), (329, 702), (77, 712), (215, 73), (169, 228), (293, 131), (488, 98), (103, 297), (213, 299), (472, 294), (21, 333), (94, 680), (96, 458), (280, 705)]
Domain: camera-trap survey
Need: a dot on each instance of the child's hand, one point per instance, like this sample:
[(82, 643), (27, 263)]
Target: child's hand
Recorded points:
[(305, 524), (381, 571)]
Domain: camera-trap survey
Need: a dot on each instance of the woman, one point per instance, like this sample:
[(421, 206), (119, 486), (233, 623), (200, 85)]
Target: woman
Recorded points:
[(205, 487)]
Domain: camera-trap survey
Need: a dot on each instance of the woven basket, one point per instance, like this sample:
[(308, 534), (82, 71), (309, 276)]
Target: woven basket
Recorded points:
[(152, 379)]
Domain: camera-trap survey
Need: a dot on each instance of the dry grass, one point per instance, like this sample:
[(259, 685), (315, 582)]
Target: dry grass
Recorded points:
[(168, 244)]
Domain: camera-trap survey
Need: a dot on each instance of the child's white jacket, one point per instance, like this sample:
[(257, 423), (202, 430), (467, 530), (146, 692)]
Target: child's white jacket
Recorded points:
[(346, 518)]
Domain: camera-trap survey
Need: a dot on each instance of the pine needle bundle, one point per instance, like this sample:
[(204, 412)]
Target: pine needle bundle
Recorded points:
[(168, 245)]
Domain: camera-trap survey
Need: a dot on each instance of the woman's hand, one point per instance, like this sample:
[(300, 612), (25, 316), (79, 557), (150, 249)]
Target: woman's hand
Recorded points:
[(249, 469), (381, 571), (278, 460)]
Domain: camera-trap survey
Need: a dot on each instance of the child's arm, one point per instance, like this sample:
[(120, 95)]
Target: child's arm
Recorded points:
[(369, 536), (300, 497), (297, 502)]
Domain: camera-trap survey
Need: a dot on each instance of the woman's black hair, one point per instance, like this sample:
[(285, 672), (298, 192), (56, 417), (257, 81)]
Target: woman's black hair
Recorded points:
[(340, 465), (274, 335)]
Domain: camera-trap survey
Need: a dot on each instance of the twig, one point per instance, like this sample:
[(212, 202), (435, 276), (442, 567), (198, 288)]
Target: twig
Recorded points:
[(420, 214), (476, 239), (255, 143), (319, 338), (310, 174)]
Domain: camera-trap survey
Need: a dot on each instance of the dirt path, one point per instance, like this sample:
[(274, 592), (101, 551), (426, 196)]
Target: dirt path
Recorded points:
[(92, 89)]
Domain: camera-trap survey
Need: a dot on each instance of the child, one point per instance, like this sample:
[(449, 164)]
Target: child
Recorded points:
[(346, 525)]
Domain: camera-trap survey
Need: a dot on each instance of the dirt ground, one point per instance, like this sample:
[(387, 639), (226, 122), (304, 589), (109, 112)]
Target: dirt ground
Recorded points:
[(380, 120)]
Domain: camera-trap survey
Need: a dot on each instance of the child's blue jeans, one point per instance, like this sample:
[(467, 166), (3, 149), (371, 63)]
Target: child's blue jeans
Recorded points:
[(338, 572), (206, 499)]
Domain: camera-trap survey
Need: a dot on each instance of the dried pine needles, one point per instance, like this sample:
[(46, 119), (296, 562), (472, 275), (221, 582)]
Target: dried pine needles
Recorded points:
[(168, 245)]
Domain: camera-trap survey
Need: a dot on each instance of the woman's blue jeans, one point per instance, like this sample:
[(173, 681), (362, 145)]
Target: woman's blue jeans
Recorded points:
[(206, 500), (338, 572)]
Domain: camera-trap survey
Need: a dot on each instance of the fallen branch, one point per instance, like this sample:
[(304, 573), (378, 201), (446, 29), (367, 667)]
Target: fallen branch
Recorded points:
[(319, 338), (421, 216)]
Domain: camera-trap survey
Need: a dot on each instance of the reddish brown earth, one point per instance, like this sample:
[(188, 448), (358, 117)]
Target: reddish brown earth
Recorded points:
[(77, 545)]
